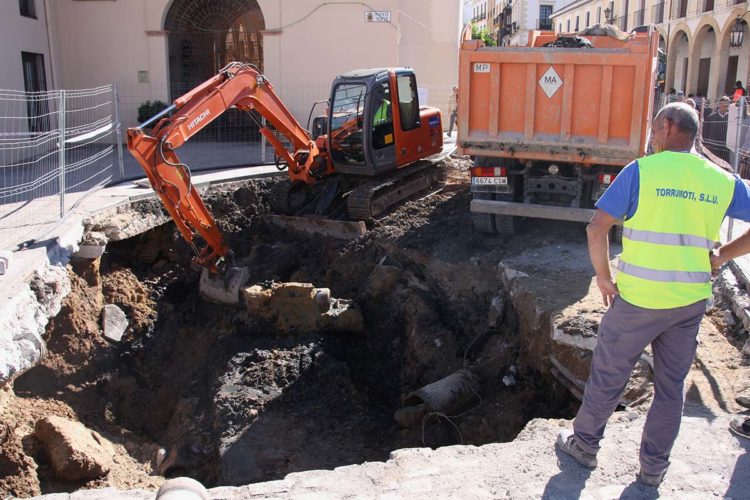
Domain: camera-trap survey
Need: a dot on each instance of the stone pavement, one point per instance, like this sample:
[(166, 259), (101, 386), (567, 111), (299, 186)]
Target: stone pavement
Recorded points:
[(707, 461)]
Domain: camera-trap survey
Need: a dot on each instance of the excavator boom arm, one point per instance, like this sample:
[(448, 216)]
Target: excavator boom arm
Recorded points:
[(237, 85)]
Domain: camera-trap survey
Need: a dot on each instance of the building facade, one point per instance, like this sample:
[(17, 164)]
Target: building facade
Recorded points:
[(510, 21), (157, 49), (694, 34)]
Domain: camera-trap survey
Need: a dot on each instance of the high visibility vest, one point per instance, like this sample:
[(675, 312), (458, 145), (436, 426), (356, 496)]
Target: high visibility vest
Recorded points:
[(381, 114), (682, 201)]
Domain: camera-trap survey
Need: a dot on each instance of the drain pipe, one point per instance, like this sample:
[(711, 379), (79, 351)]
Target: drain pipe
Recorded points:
[(444, 396), (52, 58)]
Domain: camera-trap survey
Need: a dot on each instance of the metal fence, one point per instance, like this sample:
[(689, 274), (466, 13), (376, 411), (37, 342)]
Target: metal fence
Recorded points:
[(55, 147)]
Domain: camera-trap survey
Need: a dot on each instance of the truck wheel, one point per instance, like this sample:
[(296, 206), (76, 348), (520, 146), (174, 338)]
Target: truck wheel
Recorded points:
[(484, 223), (507, 225), (615, 235)]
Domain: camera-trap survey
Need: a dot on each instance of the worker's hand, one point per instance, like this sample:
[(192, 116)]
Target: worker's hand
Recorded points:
[(609, 290), (716, 261)]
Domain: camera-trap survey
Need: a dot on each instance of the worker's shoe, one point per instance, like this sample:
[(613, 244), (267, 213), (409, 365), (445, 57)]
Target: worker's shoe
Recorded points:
[(566, 441), (743, 400), (740, 426), (651, 479)]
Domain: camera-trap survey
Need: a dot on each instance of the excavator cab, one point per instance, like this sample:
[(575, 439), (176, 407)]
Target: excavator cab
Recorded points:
[(376, 124)]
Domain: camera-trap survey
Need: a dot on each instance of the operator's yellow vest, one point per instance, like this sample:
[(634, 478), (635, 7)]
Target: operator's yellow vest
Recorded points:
[(682, 201)]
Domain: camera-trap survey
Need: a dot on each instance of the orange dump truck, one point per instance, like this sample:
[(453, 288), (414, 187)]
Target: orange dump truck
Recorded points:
[(550, 127)]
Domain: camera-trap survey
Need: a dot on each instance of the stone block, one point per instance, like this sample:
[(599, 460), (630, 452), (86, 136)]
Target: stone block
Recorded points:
[(75, 452), (114, 322), (256, 298)]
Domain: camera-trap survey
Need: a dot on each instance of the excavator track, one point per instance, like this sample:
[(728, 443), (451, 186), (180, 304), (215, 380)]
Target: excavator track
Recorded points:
[(371, 198)]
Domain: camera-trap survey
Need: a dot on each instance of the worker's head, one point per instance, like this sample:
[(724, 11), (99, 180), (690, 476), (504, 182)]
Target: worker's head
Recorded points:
[(738, 84), (674, 128)]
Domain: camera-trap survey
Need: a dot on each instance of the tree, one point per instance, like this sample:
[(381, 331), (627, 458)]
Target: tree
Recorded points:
[(483, 34)]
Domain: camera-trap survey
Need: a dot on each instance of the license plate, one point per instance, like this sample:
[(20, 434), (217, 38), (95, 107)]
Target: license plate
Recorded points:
[(503, 181)]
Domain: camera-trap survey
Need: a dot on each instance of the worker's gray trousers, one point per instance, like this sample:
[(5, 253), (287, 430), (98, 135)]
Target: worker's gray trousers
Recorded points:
[(624, 332)]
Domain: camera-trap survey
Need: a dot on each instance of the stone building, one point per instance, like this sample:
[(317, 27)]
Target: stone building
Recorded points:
[(157, 49), (706, 41)]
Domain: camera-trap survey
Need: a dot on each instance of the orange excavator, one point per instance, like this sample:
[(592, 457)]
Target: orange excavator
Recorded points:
[(380, 148)]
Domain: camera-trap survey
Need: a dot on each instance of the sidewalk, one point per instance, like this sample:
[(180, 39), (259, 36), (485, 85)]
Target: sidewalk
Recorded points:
[(707, 461)]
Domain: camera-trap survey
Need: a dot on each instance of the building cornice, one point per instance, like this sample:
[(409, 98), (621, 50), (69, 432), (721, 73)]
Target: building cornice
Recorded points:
[(570, 7)]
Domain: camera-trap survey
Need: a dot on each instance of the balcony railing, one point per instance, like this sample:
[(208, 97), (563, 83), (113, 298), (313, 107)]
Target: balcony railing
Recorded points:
[(544, 24), (657, 13), (622, 22), (639, 18), (705, 5), (679, 9)]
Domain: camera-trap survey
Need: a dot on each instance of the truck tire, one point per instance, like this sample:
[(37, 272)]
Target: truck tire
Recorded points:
[(507, 225), (484, 223)]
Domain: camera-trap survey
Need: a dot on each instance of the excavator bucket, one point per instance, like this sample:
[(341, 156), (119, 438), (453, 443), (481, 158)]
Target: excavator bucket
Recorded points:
[(223, 289)]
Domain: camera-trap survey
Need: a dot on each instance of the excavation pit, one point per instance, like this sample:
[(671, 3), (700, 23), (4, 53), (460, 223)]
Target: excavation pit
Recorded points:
[(229, 396)]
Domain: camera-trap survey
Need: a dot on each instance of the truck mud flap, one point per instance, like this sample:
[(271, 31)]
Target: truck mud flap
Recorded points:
[(535, 211)]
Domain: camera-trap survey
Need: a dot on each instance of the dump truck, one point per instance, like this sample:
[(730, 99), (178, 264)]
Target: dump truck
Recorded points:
[(551, 124)]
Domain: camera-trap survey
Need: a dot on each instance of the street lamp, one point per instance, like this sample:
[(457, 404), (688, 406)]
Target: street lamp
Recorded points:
[(737, 33), (607, 12)]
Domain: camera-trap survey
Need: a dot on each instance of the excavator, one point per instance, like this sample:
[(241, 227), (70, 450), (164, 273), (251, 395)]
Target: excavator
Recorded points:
[(379, 147)]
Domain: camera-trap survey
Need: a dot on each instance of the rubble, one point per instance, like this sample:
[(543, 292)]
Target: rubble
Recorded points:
[(75, 452), (114, 322)]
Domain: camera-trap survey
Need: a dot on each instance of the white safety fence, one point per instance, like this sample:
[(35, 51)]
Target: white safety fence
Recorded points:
[(55, 147)]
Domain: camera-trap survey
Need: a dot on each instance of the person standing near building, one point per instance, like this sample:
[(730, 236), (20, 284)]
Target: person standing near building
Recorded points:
[(454, 113), (739, 92), (672, 203), (715, 130)]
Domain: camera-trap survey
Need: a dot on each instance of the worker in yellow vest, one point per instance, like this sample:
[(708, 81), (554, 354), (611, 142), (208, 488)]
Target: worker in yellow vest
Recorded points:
[(672, 203)]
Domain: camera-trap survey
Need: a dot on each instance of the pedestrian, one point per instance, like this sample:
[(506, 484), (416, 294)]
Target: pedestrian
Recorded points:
[(673, 203), (454, 113), (739, 92), (715, 130)]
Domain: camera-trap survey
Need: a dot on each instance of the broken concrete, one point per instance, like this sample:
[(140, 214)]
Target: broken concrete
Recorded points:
[(339, 229), (75, 452), (301, 308), (114, 322), (24, 318)]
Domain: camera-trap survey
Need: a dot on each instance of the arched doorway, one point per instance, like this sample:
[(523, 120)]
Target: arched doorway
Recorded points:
[(677, 60), (703, 79), (205, 35)]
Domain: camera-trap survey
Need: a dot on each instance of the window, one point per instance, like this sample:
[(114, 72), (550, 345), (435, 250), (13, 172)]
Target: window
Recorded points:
[(408, 102), (577, 24), (382, 120), (35, 80), (27, 8), (559, 27), (568, 28), (347, 113), (544, 21), (599, 14), (588, 19)]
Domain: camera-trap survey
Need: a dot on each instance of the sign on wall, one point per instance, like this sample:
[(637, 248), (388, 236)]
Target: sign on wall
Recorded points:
[(378, 16), (550, 82)]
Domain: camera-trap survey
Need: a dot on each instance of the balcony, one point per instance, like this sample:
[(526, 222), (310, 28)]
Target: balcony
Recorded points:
[(639, 18), (657, 13), (622, 22), (544, 24), (679, 9), (705, 5)]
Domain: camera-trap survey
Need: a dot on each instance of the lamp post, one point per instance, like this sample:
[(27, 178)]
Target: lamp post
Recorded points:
[(737, 37), (607, 13)]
